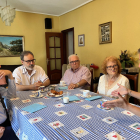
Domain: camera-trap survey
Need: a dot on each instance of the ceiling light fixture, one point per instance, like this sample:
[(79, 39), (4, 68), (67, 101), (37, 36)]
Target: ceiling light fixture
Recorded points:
[(7, 14)]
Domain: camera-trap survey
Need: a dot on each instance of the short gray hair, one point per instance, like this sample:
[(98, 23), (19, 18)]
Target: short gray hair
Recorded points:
[(73, 55), (25, 53)]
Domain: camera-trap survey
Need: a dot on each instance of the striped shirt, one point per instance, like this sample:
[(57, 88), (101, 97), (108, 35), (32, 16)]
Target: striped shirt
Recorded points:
[(23, 78), (10, 93), (75, 77)]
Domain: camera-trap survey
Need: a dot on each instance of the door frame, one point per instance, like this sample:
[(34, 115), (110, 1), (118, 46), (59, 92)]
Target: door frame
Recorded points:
[(64, 32)]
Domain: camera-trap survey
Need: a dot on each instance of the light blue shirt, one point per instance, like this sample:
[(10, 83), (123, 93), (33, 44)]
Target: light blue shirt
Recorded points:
[(7, 93)]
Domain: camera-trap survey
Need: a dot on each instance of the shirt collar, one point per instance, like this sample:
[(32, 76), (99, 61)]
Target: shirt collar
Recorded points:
[(76, 69)]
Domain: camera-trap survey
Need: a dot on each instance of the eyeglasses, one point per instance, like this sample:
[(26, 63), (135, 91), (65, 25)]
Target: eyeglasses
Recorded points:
[(29, 61), (111, 67), (76, 61)]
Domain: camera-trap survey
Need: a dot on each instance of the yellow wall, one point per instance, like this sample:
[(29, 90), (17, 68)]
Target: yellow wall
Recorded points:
[(125, 17), (32, 27)]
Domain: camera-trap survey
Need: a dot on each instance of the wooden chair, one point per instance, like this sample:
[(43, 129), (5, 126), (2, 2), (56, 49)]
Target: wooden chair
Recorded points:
[(133, 80)]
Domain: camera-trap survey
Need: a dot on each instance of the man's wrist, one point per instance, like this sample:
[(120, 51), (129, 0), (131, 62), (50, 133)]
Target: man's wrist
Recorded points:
[(78, 85), (129, 92)]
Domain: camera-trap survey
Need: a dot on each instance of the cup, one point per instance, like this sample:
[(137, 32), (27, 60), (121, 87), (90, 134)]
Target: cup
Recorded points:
[(102, 101), (38, 94), (86, 93), (42, 88), (62, 82), (66, 97)]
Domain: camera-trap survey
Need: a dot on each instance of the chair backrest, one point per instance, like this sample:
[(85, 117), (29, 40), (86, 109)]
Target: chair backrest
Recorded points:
[(133, 79)]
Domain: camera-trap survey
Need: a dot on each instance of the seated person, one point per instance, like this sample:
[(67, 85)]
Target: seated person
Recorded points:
[(122, 102), (111, 68), (76, 76), (29, 76), (6, 132)]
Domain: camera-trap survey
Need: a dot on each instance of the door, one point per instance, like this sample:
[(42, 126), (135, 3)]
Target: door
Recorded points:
[(54, 51)]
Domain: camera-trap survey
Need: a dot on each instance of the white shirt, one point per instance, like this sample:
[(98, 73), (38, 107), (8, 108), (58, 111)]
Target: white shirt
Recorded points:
[(23, 78), (103, 84)]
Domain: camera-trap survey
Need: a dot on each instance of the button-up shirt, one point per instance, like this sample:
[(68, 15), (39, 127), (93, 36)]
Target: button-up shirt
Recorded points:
[(23, 78), (76, 76)]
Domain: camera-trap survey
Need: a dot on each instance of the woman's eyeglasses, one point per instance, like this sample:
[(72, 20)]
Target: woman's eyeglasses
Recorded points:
[(111, 67)]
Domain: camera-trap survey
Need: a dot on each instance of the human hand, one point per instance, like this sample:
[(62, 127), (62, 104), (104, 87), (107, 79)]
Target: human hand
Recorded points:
[(121, 102), (36, 85), (6, 72), (72, 86), (2, 129), (122, 90)]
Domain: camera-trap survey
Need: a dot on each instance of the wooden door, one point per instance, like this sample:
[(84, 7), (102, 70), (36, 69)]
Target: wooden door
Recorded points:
[(54, 51)]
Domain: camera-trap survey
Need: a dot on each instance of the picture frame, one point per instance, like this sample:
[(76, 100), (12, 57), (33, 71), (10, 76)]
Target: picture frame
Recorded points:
[(105, 33), (81, 40), (11, 46)]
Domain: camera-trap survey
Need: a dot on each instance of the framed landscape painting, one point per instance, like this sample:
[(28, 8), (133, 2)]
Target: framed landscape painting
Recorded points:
[(11, 46)]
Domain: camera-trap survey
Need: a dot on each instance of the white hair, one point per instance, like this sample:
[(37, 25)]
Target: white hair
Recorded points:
[(73, 55)]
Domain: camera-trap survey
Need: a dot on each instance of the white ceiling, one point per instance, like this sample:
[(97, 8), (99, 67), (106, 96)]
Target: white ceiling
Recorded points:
[(47, 7)]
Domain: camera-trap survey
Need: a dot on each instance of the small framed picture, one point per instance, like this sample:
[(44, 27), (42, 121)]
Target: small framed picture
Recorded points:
[(81, 40), (105, 33)]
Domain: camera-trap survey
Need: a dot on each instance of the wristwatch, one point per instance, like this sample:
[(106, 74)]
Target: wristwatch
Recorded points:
[(78, 84)]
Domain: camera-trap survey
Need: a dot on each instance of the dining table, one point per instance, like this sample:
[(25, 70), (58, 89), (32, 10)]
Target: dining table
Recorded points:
[(48, 118)]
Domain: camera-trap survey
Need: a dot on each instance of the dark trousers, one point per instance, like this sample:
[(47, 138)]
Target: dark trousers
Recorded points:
[(9, 134)]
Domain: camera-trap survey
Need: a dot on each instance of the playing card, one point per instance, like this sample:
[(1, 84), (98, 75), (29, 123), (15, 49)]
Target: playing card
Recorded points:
[(79, 94), (127, 113), (114, 136), (135, 126), (56, 124), (41, 103), (59, 105), (45, 97), (26, 101), (83, 117), (109, 120), (60, 113), (25, 112), (18, 133), (87, 106), (24, 136), (14, 99), (79, 132), (79, 101), (35, 120)]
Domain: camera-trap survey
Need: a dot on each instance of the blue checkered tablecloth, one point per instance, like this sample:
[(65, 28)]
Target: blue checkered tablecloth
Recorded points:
[(96, 128)]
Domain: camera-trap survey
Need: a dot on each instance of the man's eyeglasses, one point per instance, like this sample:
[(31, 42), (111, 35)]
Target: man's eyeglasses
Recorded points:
[(111, 67), (29, 61), (76, 61)]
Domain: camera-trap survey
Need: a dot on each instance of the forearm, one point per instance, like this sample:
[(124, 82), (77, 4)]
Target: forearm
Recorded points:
[(133, 109), (134, 94), (81, 83), (23, 87), (46, 83)]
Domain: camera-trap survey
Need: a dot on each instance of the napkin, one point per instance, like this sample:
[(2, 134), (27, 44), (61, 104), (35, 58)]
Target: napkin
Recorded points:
[(33, 108), (93, 98), (73, 98), (61, 88)]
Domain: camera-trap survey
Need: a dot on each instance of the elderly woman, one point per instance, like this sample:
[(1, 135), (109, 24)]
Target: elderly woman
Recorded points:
[(111, 68)]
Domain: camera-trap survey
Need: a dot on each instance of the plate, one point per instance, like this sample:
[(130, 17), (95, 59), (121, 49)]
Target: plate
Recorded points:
[(53, 85), (86, 96), (56, 96), (39, 97)]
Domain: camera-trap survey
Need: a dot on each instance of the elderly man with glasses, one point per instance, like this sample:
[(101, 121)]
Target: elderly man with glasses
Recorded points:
[(29, 76), (76, 76)]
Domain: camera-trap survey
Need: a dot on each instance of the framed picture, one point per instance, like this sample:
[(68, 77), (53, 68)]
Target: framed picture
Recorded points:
[(81, 40), (11, 46), (105, 33)]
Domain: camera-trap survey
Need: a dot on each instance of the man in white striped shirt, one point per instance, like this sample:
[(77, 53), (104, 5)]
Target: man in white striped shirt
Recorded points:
[(29, 76), (76, 76)]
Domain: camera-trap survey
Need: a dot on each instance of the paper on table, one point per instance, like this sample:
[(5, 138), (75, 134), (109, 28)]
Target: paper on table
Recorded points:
[(61, 88), (93, 98), (73, 98), (33, 108)]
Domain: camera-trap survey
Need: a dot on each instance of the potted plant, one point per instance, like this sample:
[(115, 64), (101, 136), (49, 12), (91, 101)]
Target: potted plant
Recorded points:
[(127, 59)]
